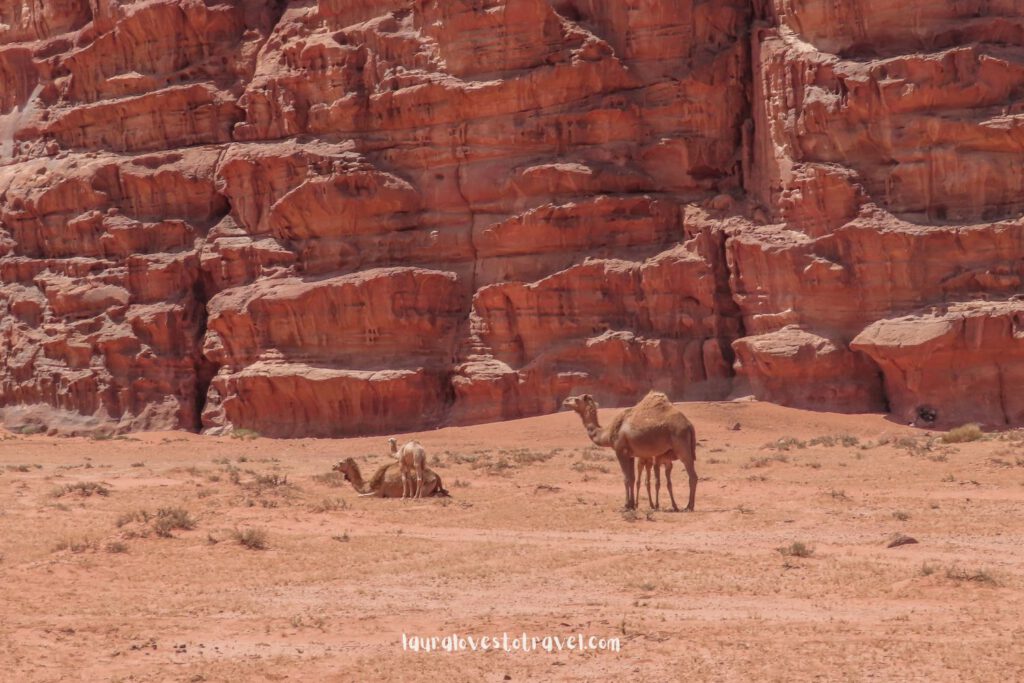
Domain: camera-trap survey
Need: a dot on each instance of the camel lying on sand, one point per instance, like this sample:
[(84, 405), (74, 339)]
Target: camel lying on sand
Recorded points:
[(412, 460), (653, 430), (387, 482)]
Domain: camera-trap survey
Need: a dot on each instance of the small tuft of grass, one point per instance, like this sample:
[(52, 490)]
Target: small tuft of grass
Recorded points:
[(138, 464), (343, 538), (928, 568), (251, 538), (838, 495), (796, 549), (116, 547), (245, 434), (901, 515), (963, 434)]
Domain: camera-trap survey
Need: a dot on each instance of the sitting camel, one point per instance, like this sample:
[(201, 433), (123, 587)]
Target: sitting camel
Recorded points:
[(387, 481), (653, 430), (412, 459)]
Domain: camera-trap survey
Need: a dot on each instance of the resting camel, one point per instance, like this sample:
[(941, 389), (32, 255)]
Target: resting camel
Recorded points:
[(387, 480), (412, 459), (652, 430)]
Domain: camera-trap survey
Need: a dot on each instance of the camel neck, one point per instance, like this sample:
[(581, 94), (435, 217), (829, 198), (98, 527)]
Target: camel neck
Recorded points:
[(594, 430), (357, 479)]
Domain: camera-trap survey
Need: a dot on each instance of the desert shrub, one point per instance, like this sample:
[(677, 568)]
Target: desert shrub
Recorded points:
[(797, 549), (169, 519), (962, 434), (251, 538), (81, 488)]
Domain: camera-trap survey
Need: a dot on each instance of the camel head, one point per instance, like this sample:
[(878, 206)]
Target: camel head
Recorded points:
[(393, 444), (585, 405), (346, 468)]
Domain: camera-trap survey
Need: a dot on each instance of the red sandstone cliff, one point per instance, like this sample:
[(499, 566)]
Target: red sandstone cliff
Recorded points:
[(354, 216)]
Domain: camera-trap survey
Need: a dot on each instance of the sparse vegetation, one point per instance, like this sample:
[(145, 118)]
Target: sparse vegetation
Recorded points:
[(796, 549), (116, 547), (162, 522), (957, 573), (786, 443), (81, 488), (343, 538), (329, 505), (581, 466), (332, 478), (963, 434), (245, 434), (76, 544), (169, 519), (830, 440), (251, 538), (901, 515)]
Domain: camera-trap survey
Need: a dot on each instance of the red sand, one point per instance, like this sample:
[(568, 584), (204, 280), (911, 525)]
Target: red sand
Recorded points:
[(532, 540)]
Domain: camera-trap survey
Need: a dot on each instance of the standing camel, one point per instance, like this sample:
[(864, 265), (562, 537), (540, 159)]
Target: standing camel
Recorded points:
[(412, 460), (653, 430)]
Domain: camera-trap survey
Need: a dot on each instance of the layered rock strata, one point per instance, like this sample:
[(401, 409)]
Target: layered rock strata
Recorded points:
[(344, 217)]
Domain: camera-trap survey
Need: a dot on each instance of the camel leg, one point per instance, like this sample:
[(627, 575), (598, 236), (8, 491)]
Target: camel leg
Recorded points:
[(419, 484), (639, 471), (650, 501), (668, 481), (657, 485), (691, 470), (405, 479), (628, 467)]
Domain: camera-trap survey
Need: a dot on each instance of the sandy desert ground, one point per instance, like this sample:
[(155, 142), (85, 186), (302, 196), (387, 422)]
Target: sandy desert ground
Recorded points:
[(533, 540)]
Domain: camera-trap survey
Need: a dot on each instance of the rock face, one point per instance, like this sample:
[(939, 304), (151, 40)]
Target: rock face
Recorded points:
[(346, 216)]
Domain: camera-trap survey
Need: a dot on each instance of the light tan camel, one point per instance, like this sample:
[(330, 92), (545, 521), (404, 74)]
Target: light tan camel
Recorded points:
[(653, 430), (412, 460), (387, 480)]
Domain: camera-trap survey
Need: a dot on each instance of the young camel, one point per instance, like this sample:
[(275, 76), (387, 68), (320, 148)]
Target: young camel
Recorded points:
[(412, 459), (653, 430), (644, 467)]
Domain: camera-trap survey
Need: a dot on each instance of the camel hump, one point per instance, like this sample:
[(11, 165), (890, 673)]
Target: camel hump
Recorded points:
[(654, 411), (654, 398)]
